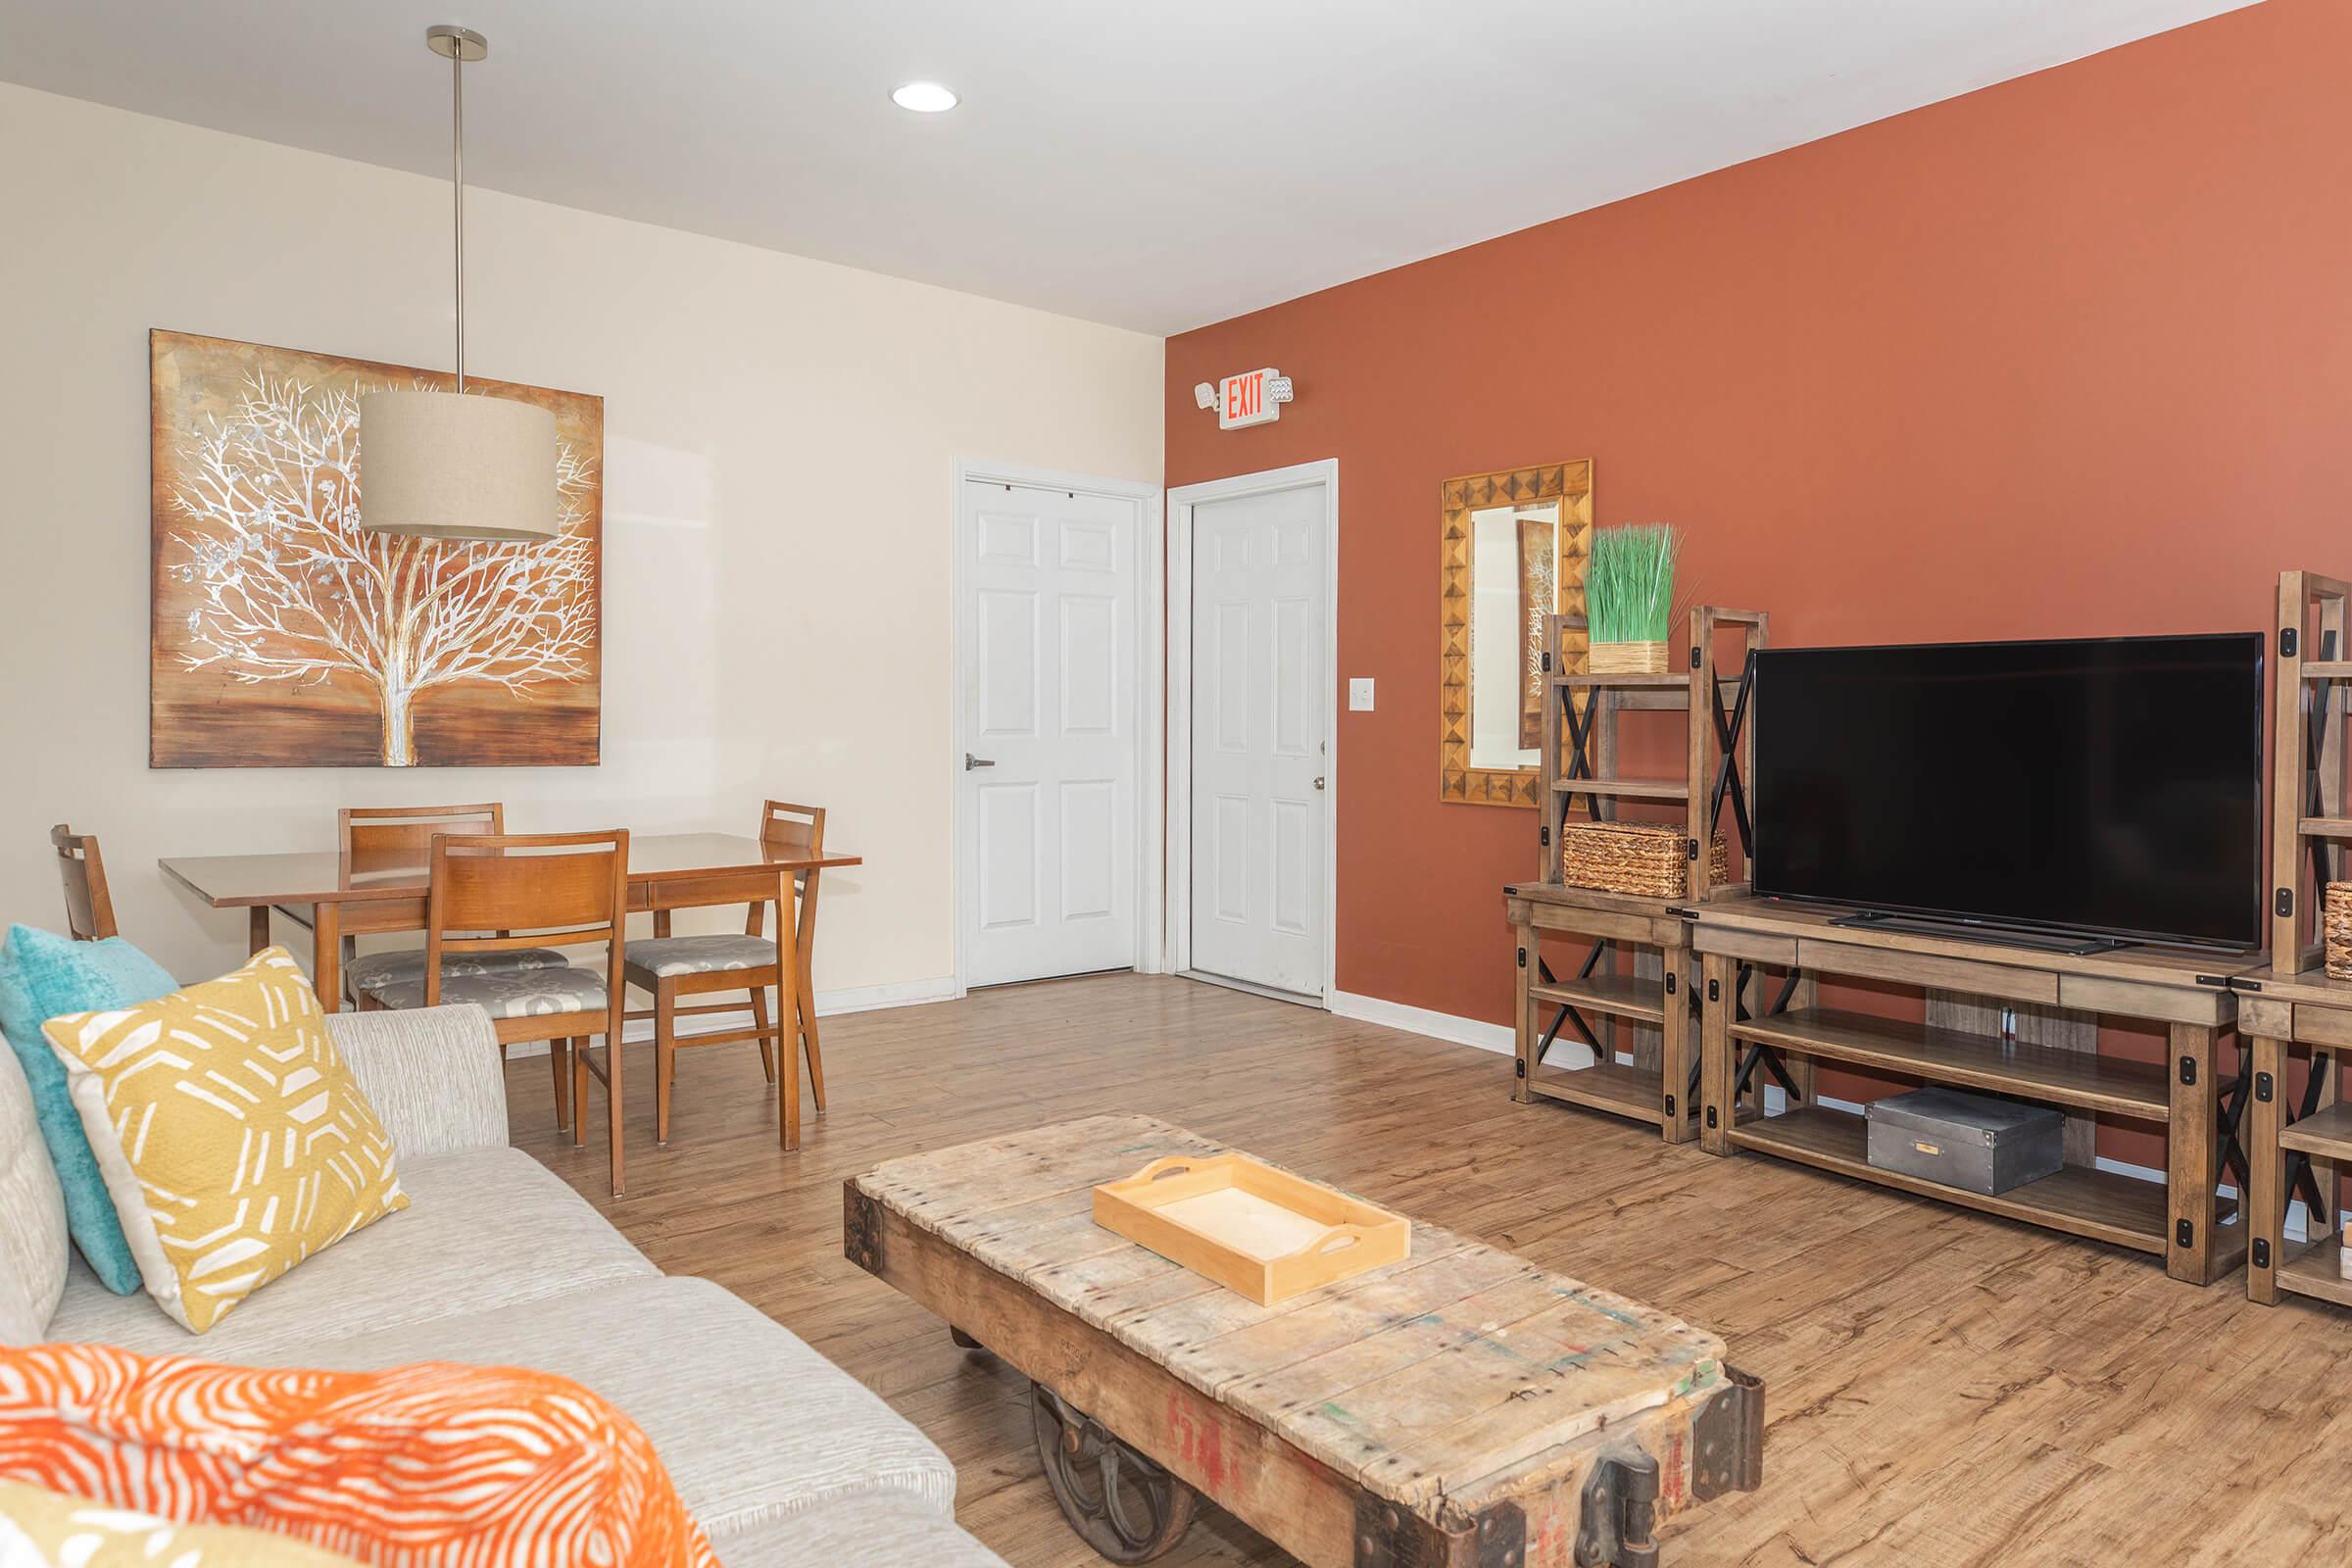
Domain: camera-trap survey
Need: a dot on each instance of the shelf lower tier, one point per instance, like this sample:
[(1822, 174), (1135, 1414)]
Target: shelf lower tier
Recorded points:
[(2313, 1270), (1648, 789), (1625, 679), (1610, 1085), (1618, 996), (2326, 1133), (2074, 1078), (2078, 1201)]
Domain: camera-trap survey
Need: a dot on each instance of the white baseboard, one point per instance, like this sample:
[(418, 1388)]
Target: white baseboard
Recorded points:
[(1497, 1037), (829, 1004), (894, 994)]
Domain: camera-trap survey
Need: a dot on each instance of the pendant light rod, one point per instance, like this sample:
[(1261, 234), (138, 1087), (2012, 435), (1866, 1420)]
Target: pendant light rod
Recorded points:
[(458, 466), (457, 191), (459, 46)]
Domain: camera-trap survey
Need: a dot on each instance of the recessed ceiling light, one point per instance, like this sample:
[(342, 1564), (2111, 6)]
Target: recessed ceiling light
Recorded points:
[(925, 98)]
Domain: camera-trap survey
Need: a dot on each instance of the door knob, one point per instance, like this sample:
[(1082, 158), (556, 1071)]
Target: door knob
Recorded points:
[(970, 761), (1318, 783)]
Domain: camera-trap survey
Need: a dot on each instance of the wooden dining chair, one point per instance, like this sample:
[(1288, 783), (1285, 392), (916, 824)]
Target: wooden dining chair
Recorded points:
[(377, 837), (569, 889), (675, 968), (90, 910)]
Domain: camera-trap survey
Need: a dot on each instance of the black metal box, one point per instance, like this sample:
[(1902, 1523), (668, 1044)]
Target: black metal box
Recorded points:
[(1972, 1142)]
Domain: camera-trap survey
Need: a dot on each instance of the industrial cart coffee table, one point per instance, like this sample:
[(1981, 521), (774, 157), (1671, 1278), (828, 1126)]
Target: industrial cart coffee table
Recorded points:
[(1462, 1407)]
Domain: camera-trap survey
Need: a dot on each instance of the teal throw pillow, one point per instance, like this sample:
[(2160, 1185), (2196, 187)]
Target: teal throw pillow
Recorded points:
[(42, 976)]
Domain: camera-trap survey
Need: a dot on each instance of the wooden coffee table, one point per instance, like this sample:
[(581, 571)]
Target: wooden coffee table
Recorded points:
[(1463, 1407)]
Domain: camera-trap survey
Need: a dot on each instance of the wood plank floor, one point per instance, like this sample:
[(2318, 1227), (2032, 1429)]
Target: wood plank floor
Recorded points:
[(1944, 1388)]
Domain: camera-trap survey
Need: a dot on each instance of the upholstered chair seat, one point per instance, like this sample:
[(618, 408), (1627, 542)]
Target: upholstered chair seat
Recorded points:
[(373, 969), (704, 955), (506, 994)]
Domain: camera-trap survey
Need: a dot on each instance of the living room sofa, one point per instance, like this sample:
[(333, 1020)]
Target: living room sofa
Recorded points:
[(781, 1456)]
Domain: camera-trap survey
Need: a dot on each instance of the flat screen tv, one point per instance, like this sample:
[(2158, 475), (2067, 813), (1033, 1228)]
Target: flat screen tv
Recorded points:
[(2107, 786)]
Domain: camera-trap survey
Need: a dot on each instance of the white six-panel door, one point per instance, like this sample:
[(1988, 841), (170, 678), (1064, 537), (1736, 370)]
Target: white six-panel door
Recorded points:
[(1258, 726), (1046, 684)]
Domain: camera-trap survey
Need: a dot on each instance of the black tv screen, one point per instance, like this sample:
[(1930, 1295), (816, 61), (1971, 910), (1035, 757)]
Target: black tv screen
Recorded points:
[(2103, 785)]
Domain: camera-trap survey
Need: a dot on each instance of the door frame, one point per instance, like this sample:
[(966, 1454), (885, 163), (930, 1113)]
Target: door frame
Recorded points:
[(1146, 499), (1177, 918)]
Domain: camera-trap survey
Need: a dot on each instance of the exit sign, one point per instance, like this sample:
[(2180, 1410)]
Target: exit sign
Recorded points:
[(1252, 397)]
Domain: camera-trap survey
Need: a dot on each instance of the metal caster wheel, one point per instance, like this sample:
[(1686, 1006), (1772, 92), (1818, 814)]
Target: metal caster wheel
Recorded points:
[(1119, 1503)]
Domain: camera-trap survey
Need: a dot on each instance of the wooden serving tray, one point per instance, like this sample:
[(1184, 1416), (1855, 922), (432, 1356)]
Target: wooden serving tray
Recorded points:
[(1254, 1229)]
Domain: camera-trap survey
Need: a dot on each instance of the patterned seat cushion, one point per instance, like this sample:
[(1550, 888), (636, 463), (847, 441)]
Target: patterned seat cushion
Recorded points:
[(513, 994), (673, 956), (374, 968)]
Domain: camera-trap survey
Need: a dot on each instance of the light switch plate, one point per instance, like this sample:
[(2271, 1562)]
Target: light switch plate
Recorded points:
[(1359, 694)]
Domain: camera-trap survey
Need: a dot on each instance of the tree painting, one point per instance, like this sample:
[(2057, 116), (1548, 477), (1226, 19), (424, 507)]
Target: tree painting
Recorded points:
[(280, 621)]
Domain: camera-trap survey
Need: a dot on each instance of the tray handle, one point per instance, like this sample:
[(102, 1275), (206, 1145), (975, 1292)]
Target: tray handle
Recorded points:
[(1336, 1239), (1165, 1165)]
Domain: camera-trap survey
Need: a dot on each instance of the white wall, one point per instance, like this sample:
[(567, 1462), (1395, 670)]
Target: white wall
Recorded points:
[(777, 504)]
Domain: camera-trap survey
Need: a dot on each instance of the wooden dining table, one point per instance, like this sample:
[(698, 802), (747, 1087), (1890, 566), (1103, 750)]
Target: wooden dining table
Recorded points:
[(325, 891)]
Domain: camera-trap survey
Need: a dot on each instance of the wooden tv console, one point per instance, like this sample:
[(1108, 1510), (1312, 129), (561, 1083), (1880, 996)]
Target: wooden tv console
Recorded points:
[(1749, 1031)]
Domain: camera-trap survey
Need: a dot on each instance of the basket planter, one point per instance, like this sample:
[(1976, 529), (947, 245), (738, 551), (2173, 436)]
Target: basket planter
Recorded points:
[(1645, 860), (2335, 926), (1629, 659)]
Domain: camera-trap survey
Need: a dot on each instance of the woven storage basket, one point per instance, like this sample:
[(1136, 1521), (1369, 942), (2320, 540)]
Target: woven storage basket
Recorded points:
[(2335, 926), (1646, 860), (1627, 659)]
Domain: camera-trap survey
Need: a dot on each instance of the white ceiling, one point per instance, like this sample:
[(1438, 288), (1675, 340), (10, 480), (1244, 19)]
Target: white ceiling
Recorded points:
[(1151, 163)]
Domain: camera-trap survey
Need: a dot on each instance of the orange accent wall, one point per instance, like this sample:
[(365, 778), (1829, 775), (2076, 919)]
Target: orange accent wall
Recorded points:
[(2068, 355)]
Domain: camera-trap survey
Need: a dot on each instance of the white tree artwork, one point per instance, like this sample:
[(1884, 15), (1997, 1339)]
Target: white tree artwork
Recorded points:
[(281, 583)]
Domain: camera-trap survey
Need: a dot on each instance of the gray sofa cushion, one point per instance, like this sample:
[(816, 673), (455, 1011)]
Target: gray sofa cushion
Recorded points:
[(484, 1228), (751, 1424), (434, 1076), (856, 1533), (32, 1214)]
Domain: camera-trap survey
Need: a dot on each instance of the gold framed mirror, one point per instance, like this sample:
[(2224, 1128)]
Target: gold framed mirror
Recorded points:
[(1513, 548)]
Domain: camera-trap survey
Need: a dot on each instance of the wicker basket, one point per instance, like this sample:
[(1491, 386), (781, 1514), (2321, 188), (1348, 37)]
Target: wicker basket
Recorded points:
[(1647, 859), (1628, 658), (2335, 926)]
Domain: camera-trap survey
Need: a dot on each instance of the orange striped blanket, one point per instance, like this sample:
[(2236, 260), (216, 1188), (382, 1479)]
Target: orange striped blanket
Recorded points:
[(428, 1466)]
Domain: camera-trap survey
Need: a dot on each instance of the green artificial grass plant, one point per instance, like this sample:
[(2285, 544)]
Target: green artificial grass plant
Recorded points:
[(1628, 583)]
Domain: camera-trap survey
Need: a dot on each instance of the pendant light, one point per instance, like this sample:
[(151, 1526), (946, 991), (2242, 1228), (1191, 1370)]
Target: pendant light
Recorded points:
[(457, 464)]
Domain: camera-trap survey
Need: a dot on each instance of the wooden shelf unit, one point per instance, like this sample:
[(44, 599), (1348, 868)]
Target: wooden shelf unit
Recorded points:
[(1598, 1006), (2310, 815), (1578, 742), (2298, 1137), (1604, 1008), (2194, 995)]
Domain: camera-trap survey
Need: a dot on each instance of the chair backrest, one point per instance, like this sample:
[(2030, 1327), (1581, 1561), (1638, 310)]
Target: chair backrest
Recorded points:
[(372, 836), (786, 826), (90, 910), (529, 888), (783, 825)]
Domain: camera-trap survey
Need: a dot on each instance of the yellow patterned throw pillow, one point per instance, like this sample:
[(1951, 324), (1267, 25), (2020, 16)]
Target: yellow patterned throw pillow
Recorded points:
[(234, 1141), (38, 1528)]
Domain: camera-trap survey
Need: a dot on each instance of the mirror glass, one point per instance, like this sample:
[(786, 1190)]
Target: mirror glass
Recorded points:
[(1514, 585)]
